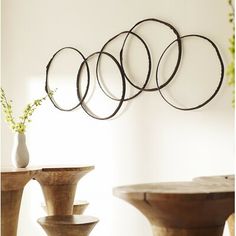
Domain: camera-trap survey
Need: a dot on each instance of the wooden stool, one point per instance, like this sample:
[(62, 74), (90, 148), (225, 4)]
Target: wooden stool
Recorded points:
[(78, 207), (181, 208), (74, 225), (59, 187)]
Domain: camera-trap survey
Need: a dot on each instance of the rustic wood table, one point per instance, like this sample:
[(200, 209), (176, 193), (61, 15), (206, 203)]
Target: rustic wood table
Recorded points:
[(58, 185), (182, 208)]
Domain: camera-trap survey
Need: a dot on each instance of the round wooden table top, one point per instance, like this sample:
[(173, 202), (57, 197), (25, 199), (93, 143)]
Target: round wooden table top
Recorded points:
[(60, 175), (174, 191), (65, 168), (67, 220), (218, 179), (16, 178), (12, 170)]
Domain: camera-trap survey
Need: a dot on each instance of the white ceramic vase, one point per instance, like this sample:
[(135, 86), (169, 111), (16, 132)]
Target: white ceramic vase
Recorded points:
[(20, 154)]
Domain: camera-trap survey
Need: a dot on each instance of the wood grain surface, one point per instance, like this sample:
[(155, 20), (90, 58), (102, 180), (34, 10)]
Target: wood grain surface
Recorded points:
[(13, 182), (59, 187)]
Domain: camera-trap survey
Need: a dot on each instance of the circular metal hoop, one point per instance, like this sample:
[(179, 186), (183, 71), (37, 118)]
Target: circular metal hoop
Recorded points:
[(121, 100), (149, 65), (47, 89), (178, 39), (220, 81)]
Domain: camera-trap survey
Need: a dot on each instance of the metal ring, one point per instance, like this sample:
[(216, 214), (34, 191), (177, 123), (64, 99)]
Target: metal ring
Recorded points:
[(220, 81), (47, 89), (149, 66), (121, 100), (178, 59)]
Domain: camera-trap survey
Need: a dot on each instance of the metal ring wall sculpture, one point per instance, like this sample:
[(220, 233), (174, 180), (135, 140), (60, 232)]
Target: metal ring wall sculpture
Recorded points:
[(124, 77)]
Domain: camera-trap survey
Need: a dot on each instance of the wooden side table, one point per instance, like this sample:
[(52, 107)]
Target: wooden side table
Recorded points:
[(59, 186), (13, 182), (181, 208), (221, 180)]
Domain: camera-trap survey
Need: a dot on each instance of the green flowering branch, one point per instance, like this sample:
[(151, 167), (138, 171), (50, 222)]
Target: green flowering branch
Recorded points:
[(19, 126), (231, 66)]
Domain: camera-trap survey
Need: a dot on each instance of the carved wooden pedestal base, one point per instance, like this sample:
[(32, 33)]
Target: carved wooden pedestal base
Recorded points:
[(59, 187), (75, 225), (78, 208)]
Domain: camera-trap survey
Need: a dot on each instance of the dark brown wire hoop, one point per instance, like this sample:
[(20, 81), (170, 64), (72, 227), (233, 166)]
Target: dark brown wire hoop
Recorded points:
[(221, 75), (178, 39), (121, 100), (47, 88), (141, 89)]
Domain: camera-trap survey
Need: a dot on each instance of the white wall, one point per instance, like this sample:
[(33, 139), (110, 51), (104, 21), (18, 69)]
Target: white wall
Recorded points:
[(149, 141)]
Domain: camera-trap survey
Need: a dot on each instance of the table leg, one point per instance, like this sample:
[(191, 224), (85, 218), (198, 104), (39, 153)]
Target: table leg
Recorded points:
[(231, 224), (59, 187), (10, 207), (59, 198), (186, 218), (74, 225)]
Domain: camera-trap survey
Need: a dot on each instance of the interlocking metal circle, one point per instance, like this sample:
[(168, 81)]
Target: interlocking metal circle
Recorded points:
[(220, 80), (121, 100), (119, 62), (149, 65), (47, 88), (178, 58)]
